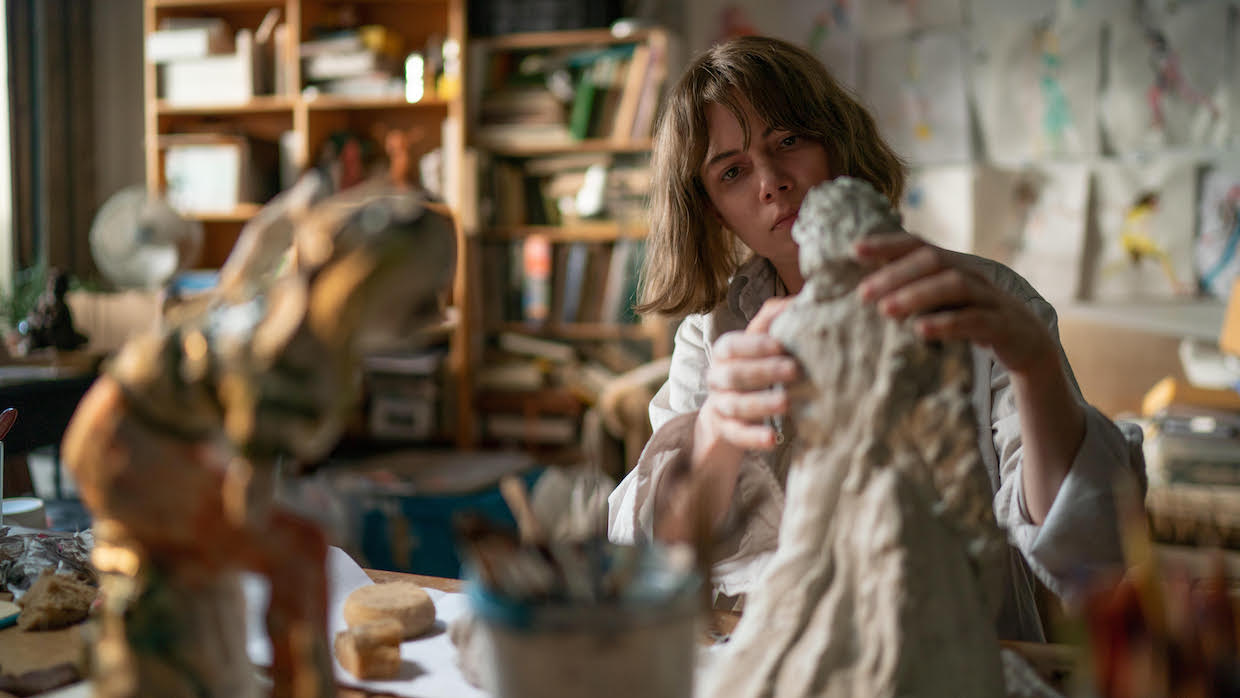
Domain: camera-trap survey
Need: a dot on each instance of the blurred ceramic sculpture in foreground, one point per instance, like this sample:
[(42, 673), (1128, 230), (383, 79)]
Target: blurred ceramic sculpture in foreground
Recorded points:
[(885, 581), (174, 447)]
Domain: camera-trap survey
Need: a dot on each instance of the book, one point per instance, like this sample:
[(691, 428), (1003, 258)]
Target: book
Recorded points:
[(652, 85), (577, 259), (512, 375), (525, 345), (536, 275), (626, 109), (583, 103), (542, 429), (329, 66), (611, 306), (595, 282)]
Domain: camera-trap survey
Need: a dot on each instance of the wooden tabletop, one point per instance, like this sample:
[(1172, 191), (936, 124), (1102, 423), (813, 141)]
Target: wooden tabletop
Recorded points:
[(25, 651)]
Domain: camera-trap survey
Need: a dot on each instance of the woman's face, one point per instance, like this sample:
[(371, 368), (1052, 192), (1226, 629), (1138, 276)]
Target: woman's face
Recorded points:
[(756, 192)]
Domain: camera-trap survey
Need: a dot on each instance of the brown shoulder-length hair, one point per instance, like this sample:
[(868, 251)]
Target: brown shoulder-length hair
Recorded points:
[(689, 257)]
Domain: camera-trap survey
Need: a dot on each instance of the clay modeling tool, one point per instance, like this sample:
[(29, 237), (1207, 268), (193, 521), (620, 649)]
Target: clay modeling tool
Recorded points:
[(7, 417)]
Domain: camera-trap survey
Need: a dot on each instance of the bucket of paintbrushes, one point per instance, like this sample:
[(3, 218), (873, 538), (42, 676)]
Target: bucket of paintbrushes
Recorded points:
[(588, 618)]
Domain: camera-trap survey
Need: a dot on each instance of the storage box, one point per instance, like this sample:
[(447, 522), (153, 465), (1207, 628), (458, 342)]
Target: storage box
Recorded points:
[(214, 173), (213, 80)]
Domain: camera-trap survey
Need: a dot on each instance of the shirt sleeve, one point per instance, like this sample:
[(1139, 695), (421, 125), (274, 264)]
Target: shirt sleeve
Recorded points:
[(1081, 533), (750, 529)]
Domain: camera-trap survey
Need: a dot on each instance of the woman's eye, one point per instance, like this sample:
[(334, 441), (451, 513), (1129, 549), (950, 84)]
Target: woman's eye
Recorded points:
[(729, 174), (789, 140)]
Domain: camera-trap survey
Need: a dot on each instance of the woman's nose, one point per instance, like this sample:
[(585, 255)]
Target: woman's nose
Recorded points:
[(774, 180)]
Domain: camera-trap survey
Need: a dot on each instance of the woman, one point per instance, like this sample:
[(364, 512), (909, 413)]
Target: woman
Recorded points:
[(747, 130)]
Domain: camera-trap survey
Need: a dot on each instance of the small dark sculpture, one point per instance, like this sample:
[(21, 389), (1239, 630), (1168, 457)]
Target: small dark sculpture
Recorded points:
[(50, 324)]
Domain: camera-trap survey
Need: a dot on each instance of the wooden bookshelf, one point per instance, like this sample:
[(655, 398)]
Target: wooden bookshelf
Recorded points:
[(531, 157), (302, 122)]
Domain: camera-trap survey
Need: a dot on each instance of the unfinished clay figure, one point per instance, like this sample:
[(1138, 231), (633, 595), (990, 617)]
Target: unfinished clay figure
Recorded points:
[(885, 581), (175, 446)]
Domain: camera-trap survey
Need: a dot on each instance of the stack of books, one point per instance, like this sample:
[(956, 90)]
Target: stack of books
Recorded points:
[(364, 61)]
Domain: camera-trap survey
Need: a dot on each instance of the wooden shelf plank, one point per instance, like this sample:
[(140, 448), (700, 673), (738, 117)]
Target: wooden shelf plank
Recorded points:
[(258, 105), (601, 231), (579, 330), (589, 145), (240, 214), (216, 4), (554, 39), (330, 102)]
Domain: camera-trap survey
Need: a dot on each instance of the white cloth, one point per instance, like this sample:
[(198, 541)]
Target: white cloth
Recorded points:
[(1079, 536)]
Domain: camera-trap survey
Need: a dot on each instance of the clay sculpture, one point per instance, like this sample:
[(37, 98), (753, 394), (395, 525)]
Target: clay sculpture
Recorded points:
[(885, 581)]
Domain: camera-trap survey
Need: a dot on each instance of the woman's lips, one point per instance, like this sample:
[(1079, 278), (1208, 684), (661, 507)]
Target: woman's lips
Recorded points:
[(786, 220)]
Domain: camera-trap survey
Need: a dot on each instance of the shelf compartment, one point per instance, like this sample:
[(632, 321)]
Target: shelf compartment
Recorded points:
[(603, 231), (559, 39)]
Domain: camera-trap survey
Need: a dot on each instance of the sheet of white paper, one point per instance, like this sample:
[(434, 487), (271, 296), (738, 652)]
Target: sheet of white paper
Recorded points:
[(1035, 86), (898, 17), (1217, 249), (429, 668), (915, 89), (1052, 240), (1167, 83), (938, 206), (1145, 217)]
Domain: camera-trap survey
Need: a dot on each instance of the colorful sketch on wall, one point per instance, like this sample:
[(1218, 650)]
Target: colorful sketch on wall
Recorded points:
[(1145, 221), (884, 18), (1168, 79), (916, 90), (1035, 85), (1217, 249), (938, 206)]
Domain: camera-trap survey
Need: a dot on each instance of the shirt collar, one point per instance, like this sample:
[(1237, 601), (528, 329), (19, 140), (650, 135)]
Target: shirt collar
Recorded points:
[(752, 284)]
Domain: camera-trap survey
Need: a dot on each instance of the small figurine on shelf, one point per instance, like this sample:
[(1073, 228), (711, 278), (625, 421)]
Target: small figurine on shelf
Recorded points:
[(50, 324)]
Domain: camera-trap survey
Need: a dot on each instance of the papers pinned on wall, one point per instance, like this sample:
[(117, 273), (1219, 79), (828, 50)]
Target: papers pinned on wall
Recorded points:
[(1216, 252), (1035, 223), (1167, 79), (1035, 85), (915, 88), (1145, 225)]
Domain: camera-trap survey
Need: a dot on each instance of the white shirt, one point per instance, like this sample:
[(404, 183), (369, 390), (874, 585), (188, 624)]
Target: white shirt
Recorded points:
[(1079, 537)]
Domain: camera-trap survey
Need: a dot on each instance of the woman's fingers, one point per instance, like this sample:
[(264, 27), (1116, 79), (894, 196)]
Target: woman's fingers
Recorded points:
[(884, 247), (751, 374), (948, 288), (761, 323), (751, 406), (898, 273)]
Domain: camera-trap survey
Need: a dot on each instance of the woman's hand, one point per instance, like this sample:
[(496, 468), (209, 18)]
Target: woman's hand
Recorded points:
[(951, 302), (745, 368), (918, 279)]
